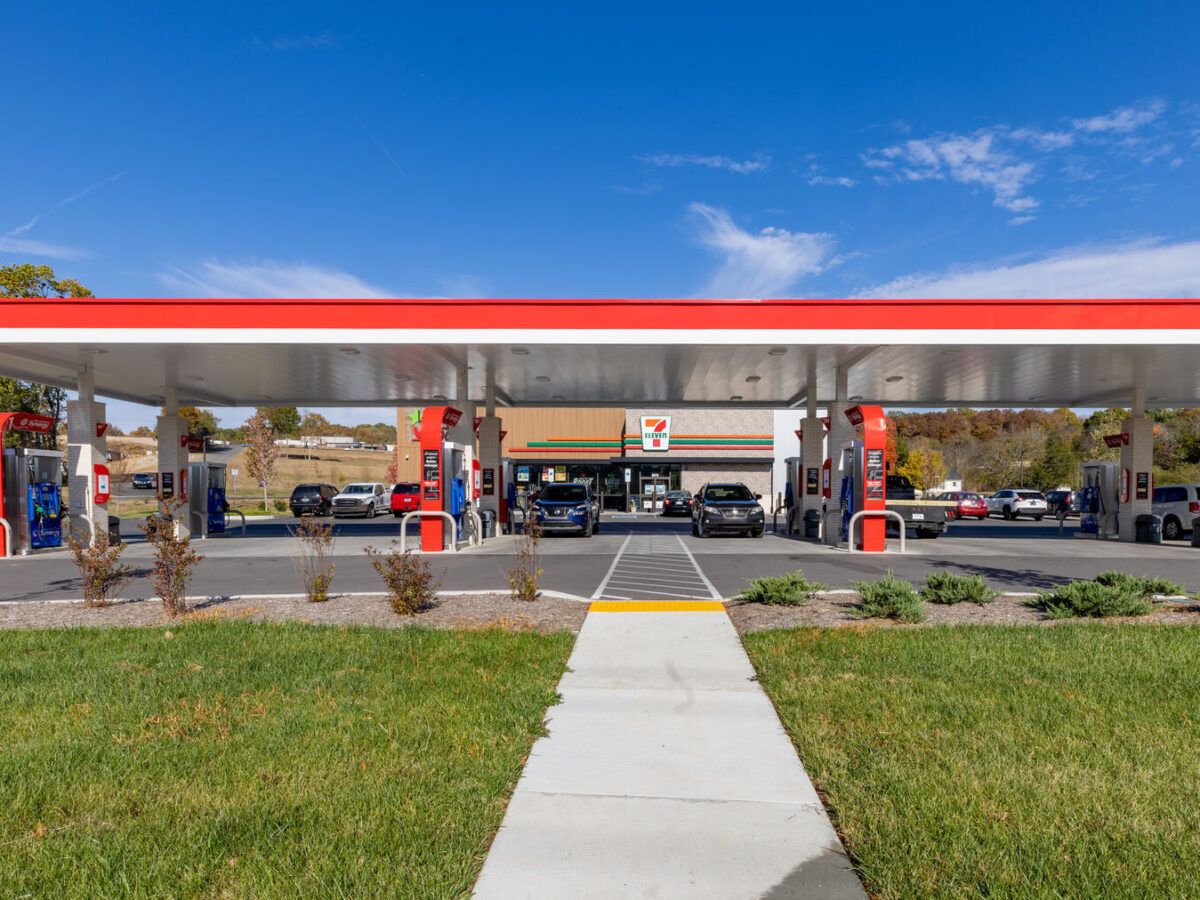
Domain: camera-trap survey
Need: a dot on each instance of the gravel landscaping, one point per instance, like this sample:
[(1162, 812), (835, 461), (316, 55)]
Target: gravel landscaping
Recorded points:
[(466, 611), (833, 610)]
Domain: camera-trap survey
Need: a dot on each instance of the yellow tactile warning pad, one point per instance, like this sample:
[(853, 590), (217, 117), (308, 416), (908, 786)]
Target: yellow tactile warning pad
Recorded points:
[(656, 606)]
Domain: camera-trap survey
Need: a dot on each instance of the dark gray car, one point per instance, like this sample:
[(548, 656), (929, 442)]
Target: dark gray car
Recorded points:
[(727, 507)]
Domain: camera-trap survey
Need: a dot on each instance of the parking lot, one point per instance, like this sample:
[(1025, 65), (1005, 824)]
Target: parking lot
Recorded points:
[(632, 557)]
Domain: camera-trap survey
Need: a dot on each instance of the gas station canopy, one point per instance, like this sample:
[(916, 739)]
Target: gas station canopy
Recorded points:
[(610, 352)]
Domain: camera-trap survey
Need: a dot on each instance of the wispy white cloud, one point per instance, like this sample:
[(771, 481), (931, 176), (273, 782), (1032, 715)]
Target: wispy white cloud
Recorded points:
[(1139, 269), (30, 247), (975, 158), (269, 279), (647, 189), (759, 163), (841, 181), (1124, 119), (766, 264)]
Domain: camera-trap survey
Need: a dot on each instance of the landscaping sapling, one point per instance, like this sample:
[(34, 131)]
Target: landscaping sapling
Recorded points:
[(316, 557), (407, 577), (174, 558), (523, 576), (100, 568)]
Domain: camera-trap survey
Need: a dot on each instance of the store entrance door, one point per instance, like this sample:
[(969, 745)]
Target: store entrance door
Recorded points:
[(654, 490)]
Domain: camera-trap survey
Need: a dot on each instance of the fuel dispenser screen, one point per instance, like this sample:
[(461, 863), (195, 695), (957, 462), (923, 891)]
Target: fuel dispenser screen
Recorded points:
[(430, 475), (874, 475), (813, 487)]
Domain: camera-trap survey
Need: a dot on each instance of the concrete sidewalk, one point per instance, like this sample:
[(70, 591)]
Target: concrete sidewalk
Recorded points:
[(666, 773)]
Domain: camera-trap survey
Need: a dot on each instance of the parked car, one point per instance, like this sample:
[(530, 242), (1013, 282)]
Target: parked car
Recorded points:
[(406, 498), (1066, 502), (312, 499), (143, 481), (567, 507), (1013, 503), (1178, 504), (967, 505), (727, 507), (677, 503), (364, 498)]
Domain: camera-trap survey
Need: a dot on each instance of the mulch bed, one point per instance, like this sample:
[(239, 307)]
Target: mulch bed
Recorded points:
[(835, 611), (468, 611)]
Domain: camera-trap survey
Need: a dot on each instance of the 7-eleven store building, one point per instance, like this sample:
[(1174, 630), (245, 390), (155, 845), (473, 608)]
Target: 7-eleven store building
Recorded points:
[(604, 447)]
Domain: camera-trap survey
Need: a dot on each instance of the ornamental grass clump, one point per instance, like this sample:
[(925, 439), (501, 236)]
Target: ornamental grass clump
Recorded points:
[(888, 598), (948, 588), (407, 577), (1091, 599), (791, 589), (1147, 585)]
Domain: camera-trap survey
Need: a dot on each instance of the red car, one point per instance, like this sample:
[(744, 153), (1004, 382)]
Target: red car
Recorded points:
[(967, 504), (406, 498)]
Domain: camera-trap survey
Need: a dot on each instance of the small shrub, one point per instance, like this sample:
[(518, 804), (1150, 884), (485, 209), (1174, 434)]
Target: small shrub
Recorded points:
[(407, 577), (791, 589), (523, 576), (316, 557), (1146, 585), (100, 567), (1091, 599), (174, 559), (888, 598), (280, 505), (946, 587)]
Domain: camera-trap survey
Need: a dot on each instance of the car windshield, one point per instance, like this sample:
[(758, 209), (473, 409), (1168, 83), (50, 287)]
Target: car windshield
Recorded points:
[(718, 493), (406, 488), (564, 493), (678, 495), (358, 489), (1030, 495)]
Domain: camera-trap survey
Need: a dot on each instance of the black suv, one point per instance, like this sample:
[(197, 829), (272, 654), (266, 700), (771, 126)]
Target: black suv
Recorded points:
[(312, 499), (727, 507), (143, 481)]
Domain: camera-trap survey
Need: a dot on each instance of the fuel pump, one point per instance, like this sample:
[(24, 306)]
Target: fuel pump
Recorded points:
[(1100, 496), (864, 485), (31, 498), (206, 497), (846, 500), (791, 493), (442, 464)]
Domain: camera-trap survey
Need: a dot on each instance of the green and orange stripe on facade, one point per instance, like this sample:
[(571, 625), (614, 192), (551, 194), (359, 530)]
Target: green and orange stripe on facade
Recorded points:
[(762, 442)]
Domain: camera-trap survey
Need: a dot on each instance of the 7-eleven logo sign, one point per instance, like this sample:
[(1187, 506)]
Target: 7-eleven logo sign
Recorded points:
[(656, 433)]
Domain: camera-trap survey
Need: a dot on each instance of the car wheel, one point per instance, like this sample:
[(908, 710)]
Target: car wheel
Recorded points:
[(1037, 518), (695, 530), (1171, 529), (704, 532), (396, 514), (928, 533), (756, 532), (981, 518), (1008, 513), (595, 526)]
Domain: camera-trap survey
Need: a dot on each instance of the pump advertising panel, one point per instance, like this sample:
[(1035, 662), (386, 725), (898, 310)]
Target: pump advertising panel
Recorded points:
[(431, 478), (101, 490)]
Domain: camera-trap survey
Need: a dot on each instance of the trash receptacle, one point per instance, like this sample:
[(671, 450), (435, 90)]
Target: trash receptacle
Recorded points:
[(812, 523), (488, 518), (1148, 529), (1196, 532), (114, 530)]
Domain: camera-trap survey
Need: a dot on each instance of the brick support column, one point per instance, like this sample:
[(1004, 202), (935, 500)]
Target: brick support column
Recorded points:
[(173, 458), (812, 455), (84, 450), (1136, 456), (489, 458)]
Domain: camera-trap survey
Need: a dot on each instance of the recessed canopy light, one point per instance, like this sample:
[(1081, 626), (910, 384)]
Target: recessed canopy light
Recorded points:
[(542, 378), (349, 351), (735, 398), (403, 378), (1036, 399), (856, 398), (520, 351), (193, 377), (892, 379), (777, 351), (264, 397), (558, 397), (753, 379), (439, 396), (99, 351)]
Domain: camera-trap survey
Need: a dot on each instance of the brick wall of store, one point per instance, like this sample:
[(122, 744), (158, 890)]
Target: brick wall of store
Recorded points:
[(731, 420), (755, 477)]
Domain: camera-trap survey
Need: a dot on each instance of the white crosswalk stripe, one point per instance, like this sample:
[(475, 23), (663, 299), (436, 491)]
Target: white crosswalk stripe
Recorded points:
[(652, 566)]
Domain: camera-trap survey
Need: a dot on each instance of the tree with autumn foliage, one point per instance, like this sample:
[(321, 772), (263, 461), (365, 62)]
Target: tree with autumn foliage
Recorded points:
[(261, 455)]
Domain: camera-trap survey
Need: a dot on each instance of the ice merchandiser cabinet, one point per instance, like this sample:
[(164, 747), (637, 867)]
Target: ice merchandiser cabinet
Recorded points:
[(32, 499)]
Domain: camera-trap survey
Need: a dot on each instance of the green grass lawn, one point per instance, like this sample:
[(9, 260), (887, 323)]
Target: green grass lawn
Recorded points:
[(1001, 761), (254, 760)]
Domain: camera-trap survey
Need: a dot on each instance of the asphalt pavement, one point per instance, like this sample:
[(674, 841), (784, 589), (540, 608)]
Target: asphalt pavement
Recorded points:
[(1019, 556)]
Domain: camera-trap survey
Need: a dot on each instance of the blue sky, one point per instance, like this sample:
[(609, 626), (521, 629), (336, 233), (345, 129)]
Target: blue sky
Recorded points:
[(355, 149)]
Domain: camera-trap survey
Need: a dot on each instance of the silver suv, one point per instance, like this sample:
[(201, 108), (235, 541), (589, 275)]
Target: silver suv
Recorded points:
[(366, 498), (1013, 503), (1178, 504)]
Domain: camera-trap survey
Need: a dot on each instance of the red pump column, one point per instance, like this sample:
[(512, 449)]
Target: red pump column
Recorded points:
[(434, 422), (873, 476)]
